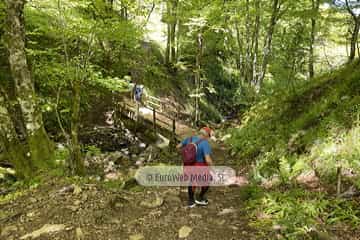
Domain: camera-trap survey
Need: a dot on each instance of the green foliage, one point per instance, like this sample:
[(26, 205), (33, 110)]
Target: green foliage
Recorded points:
[(296, 213), (92, 150), (286, 133)]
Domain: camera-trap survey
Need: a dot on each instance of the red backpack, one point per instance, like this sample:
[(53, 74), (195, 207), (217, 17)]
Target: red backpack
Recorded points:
[(189, 151)]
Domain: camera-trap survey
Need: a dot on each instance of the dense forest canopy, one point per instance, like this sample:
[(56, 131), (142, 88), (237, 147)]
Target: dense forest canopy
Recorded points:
[(278, 81)]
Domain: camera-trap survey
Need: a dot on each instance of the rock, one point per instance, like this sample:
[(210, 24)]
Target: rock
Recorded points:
[(172, 199), (277, 227), (4, 172), (30, 214), (66, 189), (77, 190), (184, 231), (136, 237), (321, 235), (79, 234), (139, 163), (351, 192), (6, 231), (221, 222), (60, 146), (77, 203), (113, 176), (47, 228), (309, 179), (115, 156), (125, 151), (118, 202), (343, 98), (272, 182), (226, 211), (238, 181), (142, 145), (193, 215), (226, 137), (110, 167), (235, 228), (130, 183), (149, 203), (32, 200), (162, 142), (73, 208), (84, 197)]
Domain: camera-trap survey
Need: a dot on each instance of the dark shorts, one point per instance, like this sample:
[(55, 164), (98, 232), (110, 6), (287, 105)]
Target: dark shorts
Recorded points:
[(199, 174)]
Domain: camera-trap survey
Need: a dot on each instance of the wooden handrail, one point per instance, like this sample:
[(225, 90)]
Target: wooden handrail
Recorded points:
[(135, 110)]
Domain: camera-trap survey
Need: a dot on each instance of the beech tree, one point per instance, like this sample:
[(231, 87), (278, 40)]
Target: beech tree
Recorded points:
[(40, 146), (14, 150)]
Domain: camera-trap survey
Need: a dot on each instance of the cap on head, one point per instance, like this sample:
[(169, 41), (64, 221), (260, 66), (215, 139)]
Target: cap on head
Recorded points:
[(206, 131)]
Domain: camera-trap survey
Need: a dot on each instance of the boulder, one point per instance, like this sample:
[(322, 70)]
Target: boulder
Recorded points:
[(136, 237), (184, 231), (226, 211), (152, 203)]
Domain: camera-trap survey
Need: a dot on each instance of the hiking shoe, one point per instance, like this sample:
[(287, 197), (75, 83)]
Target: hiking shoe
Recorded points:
[(191, 204), (203, 202)]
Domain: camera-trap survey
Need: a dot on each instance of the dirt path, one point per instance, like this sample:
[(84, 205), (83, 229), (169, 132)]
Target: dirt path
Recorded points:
[(103, 213), (111, 214)]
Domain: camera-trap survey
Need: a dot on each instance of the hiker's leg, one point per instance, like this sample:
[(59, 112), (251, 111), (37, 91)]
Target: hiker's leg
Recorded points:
[(191, 193), (204, 190)]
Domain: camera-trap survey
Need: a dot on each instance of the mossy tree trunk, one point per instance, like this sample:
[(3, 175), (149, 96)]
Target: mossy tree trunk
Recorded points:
[(40, 146), (14, 150)]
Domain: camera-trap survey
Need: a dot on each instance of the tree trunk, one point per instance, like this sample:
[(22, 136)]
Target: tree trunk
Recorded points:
[(14, 150), (248, 62), (40, 146), (124, 10), (355, 32), (315, 9), (256, 42), (240, 60), (198, 79), (173, 30), (268, 42), (76, 164), (354, 39)]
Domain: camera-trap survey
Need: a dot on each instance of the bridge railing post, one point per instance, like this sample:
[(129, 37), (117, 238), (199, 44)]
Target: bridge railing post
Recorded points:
[(137, 112), (174, 129), (154, 120)]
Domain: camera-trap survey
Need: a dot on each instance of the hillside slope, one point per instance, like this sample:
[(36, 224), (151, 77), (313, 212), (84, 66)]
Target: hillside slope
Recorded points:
[(316, 122)]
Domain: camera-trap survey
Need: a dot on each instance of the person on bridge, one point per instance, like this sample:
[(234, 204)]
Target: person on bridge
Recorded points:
[(139, 90), (203, 159)]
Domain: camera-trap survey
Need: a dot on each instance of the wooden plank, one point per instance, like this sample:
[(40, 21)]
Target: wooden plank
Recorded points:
[(166, 123), (154, 98)]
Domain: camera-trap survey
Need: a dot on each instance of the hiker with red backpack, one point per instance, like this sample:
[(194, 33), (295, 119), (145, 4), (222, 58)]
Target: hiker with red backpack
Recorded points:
[(196, 151)]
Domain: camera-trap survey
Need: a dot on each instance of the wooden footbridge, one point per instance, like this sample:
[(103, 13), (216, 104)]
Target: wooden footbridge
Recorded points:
[(158, 113)]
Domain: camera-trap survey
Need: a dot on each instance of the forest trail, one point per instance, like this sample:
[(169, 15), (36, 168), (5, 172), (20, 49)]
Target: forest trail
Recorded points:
[(101, 213)]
